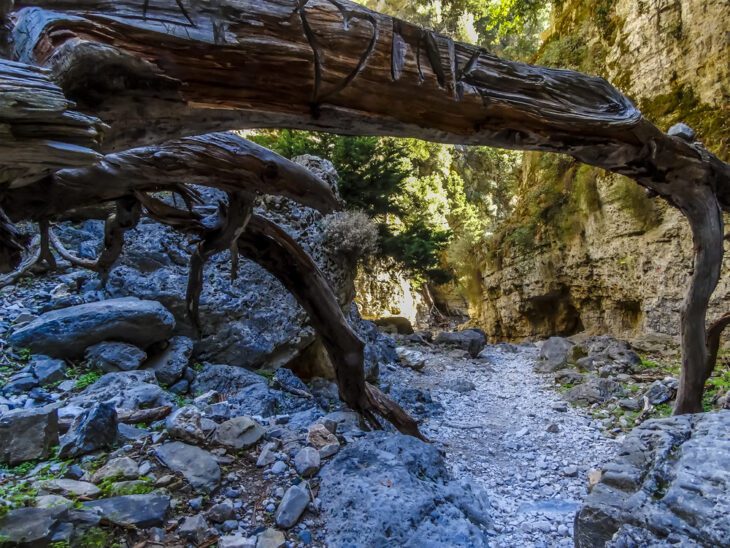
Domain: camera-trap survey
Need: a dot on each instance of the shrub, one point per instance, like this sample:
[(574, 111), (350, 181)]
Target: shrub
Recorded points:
[(350, 233)]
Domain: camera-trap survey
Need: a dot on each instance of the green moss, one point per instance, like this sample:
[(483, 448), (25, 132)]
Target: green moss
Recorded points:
[(632, 198), (681, 104), (87, 379), (96, 537)]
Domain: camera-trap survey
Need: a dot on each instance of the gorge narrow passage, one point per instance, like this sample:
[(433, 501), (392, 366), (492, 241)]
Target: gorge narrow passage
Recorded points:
[(505, 427)]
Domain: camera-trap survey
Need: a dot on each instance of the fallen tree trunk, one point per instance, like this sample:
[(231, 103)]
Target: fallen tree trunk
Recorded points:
[(160, 69)]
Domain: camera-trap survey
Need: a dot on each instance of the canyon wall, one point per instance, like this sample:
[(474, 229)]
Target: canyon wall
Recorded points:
[(586, 250)]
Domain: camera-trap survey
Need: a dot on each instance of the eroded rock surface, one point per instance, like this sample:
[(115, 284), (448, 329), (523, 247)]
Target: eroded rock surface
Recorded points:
[(670, 482)]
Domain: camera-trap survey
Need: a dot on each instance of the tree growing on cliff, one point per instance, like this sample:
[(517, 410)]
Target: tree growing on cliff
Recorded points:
[(145, 74)]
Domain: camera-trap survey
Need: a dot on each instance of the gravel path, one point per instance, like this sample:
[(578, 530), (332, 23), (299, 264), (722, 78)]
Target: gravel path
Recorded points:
[(513, 434)]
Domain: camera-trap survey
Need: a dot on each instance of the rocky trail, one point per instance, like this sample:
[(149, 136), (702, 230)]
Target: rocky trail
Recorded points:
[(506, 428)]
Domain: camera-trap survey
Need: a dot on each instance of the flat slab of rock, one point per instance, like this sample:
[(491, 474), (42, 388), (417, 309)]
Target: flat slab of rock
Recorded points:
[(28, 434), (132, 510), (196, 465), (67, 332), (668, 486), (239, 433), (394, 490), (29, 526), (71, 488), (554, 354)]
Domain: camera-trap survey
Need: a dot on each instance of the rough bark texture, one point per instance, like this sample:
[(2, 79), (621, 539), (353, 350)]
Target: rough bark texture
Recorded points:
[(155, 70)]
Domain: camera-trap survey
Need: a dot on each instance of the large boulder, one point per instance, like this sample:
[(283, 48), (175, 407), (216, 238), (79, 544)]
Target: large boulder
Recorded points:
[(594, 390), (132, 511), (94, 429), (125, 390), (252, 321), (668, 486), (394, 490), (471, 340), (28, 434), (66, 333), (554, 354)]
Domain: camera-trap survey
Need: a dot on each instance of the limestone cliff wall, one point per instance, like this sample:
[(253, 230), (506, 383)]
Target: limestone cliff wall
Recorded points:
[(613, 261)]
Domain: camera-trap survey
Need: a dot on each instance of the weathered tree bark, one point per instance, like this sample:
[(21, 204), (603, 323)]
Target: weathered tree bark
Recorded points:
[(160, 69), (39, 133)]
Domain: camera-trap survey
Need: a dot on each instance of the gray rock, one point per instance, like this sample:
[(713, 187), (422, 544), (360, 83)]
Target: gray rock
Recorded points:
[(683, 131), (225, 379), (239, 433), (236, 541), (292, 506), (412, 358), (670, 479), (185, 424), (270, 538), (594, 390), (70, 488), (568, 376), (218, 513), (554, 354), (170, 364), (460, 385), (140, 511), (66, 333), (267, 455), (124, 390), (396, 325), (307, 462), (28, 434), (111, 357), (30, 526), (286, 380), (197, 466), (361, 507), (629, 404), (194, 529), (48, 370), (180, 387), (659, 393), (471, 340), (93, 430), (122, 468)]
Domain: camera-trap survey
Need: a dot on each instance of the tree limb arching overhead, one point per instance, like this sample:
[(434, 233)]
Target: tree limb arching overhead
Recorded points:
[(155, 70)]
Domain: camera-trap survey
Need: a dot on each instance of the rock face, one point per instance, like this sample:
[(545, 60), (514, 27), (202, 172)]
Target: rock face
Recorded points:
[(625, 265), (393, 490), (253, 321), (668, 486), (67, 332)]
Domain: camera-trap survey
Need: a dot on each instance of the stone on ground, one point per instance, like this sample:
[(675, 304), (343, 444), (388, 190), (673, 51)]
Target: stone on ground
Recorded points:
[(307, 462), (122, 468), (470, 340), (140, 511), (28, 434), (95, 429), (270, 538), (67, 332), (29, 526), (125, 390), (196, 465), (169, 365), (554, 354), (239, 433), (115, 356), (292, 506)]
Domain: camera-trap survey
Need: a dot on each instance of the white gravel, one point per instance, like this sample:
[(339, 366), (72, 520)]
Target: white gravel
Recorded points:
[(497, 436)]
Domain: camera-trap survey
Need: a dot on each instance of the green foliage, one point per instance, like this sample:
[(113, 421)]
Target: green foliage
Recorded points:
[(633, 199), (87, 379), (16, 495), (96, 537)]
